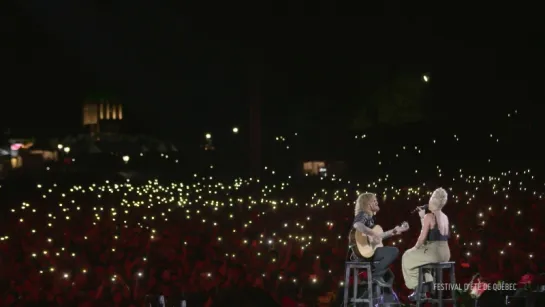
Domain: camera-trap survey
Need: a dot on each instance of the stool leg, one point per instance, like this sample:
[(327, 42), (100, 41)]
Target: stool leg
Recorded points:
[(419, 287), (434, 282), (356, 282), (370, 286), (346, 285), (379, 293), (440, 292), (453, 281)]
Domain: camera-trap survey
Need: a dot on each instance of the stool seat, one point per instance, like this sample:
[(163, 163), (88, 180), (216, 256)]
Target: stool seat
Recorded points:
[(361, 262), (437, 274), (438, 265)]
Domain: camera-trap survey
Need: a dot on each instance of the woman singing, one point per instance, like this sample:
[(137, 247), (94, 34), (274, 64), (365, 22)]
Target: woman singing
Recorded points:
[(432, 244)]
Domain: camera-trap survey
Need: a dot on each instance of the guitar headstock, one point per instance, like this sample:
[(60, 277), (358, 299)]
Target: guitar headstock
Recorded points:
[(404, 226)]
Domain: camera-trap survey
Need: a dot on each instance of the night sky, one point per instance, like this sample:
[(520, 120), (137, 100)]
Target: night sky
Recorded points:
[(182, 69)]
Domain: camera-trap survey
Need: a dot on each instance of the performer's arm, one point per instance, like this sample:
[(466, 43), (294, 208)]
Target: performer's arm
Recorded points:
[(422, 214), (389, 233), (359, 226), (426, 222)]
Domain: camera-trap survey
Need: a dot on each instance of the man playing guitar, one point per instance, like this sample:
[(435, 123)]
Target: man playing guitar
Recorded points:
[(364, 220)]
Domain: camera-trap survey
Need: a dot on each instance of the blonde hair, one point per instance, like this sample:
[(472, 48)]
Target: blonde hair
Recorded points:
[(363, 202), (438, 199)]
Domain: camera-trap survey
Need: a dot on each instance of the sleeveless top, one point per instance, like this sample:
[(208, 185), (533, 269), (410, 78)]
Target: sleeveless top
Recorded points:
[(435, 235)]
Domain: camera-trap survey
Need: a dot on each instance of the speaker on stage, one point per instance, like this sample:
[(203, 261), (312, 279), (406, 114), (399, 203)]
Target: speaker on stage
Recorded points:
[(529, 299), (491, 299), (539, 299), (248, 297), (387, 297)]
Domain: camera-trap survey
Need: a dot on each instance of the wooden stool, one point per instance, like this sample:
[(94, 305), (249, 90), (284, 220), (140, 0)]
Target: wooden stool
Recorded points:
[(437, 273), (356, 266)]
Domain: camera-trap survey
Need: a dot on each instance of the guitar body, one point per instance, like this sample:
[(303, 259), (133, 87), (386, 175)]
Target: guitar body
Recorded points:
[(362, 247), (361, 244)]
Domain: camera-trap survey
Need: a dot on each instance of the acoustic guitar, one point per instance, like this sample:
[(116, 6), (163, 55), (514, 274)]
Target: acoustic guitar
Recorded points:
[(362, 245)]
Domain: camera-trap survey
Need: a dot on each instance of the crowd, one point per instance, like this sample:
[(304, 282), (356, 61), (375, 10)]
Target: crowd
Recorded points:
[(77, 240), (129, 243)]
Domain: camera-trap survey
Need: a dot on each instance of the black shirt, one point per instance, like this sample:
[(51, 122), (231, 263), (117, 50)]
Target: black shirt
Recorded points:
[(369, 222), (366, 219)]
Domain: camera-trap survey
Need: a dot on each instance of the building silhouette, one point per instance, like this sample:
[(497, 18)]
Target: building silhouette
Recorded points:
[(102, 116)]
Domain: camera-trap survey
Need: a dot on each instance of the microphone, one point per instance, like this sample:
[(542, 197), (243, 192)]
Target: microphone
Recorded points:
[(425, 207)]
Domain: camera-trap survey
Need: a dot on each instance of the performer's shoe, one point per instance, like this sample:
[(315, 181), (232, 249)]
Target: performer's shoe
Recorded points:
[(426, 287), (412, 296)]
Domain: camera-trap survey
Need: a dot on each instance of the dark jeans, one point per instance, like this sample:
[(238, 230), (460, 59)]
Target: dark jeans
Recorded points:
[(385, 256)]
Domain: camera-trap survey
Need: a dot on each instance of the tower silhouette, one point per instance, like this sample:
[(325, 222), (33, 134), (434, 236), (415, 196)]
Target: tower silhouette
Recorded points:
[(256, 100)]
